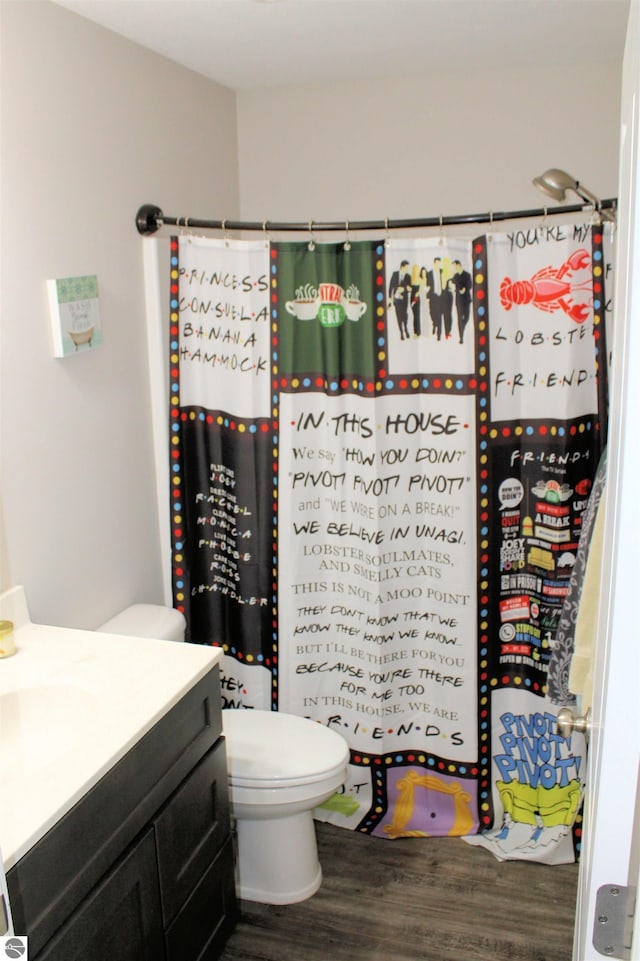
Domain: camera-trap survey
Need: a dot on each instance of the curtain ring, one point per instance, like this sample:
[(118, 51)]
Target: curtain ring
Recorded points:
[(441, 240), (312, 244), (267, 239), (387, 239), (225, 233), (347, 243)]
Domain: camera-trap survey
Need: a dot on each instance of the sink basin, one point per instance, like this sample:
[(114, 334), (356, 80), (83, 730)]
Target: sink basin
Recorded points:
[(40, 724), (72, 704)]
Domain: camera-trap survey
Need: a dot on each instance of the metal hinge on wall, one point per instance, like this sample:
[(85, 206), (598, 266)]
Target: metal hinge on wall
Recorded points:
[(613, 924)]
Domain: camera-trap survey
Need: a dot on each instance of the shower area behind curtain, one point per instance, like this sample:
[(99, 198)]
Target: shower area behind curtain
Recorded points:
[(381, 457)]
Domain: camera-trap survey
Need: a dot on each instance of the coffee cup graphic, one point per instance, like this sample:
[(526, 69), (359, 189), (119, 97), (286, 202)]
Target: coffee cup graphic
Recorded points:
[(303, 309), (328, 302), (354, 309), (305, 306)]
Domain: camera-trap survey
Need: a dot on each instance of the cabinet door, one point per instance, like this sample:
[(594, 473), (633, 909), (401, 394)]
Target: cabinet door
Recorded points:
[(191, 830), (121, 918), (206, 920)]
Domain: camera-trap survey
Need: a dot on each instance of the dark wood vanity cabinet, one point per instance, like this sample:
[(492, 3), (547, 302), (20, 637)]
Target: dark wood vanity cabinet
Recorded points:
[(141, 868)]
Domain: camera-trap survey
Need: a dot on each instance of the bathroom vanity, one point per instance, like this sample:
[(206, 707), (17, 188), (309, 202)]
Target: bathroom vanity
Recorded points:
[(114, 812)]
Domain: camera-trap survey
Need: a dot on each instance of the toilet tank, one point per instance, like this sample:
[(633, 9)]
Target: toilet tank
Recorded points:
[(147, 620)]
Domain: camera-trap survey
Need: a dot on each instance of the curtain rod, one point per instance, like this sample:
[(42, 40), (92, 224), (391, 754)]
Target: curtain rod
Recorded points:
[(150, 219)]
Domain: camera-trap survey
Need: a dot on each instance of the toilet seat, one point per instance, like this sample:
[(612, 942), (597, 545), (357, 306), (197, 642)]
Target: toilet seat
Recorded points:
[(273, 749)]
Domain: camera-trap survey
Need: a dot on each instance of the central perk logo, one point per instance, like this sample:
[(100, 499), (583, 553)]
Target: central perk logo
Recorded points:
[(329, 303)]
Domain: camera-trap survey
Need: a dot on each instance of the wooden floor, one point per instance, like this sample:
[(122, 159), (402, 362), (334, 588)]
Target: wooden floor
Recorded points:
[(423, 899)]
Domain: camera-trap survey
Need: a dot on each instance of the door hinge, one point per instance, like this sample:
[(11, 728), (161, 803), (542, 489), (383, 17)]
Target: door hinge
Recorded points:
[(4, 916), (613, 923)]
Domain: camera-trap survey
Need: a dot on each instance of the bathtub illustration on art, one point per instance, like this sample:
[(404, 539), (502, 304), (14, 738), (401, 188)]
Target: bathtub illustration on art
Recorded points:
[(80, 337)]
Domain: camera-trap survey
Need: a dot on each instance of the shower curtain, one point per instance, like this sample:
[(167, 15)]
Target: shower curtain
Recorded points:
[(382, 452)]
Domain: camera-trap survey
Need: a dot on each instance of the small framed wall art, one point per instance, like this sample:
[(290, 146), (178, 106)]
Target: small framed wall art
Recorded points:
[(75, 315)]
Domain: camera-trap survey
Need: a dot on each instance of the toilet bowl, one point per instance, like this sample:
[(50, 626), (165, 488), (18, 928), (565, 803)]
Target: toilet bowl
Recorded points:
[(280, 767)]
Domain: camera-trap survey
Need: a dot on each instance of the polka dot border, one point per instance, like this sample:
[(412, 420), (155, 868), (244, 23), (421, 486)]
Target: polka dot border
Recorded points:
[(175, 443), (275, 423)]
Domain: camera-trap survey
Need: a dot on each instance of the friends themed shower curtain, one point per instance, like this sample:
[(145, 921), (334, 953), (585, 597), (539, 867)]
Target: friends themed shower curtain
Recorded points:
[(381, 456)]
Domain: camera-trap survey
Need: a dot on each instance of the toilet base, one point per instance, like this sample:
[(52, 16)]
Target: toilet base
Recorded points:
[(277, 859)]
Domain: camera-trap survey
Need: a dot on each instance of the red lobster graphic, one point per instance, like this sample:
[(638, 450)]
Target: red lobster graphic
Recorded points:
[(551, 288)]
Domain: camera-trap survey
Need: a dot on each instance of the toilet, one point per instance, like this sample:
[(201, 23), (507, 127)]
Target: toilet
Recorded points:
[(280, 767), (147, 620)]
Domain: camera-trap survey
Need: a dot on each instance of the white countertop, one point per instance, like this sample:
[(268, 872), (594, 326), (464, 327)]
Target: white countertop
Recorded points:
[(72, 703)]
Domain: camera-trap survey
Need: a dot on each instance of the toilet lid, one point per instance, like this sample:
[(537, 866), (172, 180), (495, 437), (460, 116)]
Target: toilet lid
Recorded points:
[(265, 746)]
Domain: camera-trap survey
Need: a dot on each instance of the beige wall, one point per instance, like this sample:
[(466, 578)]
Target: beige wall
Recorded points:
[(449, 144), (92, 127)]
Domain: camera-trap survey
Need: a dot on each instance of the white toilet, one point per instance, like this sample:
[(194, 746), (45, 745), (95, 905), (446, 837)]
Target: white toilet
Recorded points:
[(147, 620), (280, 767)]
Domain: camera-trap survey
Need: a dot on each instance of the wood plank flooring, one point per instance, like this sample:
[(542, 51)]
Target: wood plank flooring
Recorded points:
[(415, 899)]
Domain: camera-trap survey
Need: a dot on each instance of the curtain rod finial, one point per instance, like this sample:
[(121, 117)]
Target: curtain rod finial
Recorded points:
[(149, 219)]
